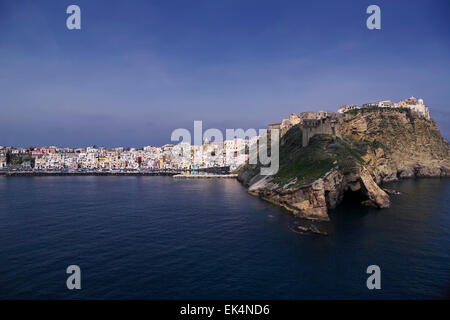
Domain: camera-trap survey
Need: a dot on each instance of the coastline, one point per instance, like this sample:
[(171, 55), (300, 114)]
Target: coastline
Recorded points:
[(175, 175), (92, 173)]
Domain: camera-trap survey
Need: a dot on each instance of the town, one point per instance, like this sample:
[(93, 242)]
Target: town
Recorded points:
[(181, 157), (229, 154)]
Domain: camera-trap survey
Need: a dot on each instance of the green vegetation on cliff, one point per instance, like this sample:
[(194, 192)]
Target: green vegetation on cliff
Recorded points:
[(322, 154), (307, 164)]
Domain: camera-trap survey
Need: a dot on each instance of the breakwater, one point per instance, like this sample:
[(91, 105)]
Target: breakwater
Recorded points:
[(205, 176)]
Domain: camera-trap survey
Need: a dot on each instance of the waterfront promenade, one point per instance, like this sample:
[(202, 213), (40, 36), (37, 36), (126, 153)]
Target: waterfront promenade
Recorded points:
[(205, 176), (212, 171)]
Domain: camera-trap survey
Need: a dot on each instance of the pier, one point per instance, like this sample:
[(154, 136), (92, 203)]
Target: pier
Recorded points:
[(205, 176)]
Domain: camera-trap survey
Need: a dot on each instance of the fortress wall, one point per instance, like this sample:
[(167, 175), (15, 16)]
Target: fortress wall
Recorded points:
[(322, 126)]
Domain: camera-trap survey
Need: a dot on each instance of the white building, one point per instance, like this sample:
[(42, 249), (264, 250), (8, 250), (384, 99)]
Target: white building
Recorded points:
[(417, 106), (385, 104), (347, 108)]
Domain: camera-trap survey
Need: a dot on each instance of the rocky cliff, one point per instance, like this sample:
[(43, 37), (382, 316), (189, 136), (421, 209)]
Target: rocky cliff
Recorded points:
[(371, 146)]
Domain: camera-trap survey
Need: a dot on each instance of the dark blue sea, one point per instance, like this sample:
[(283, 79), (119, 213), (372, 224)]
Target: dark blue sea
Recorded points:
[(159, 238)]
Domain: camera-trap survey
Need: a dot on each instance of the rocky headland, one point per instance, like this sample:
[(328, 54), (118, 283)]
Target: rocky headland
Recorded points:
[(327, 156)]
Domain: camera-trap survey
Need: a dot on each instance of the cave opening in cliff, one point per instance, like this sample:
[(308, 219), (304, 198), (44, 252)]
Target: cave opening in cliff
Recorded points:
[(354, 197)]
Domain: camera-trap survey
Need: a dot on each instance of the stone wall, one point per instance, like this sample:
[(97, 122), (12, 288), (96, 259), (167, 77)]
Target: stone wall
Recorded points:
[(328, 125)]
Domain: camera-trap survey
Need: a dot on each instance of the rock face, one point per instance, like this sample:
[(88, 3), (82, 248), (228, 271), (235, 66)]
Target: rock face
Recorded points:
[(377, 197), (306, 201), (402, 145), (370, 147)]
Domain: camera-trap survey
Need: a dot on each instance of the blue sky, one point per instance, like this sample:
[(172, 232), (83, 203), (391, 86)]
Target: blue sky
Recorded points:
[(139, 69)]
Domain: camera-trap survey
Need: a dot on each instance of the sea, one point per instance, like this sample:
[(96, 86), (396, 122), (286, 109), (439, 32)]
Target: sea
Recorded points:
[(162, 238)]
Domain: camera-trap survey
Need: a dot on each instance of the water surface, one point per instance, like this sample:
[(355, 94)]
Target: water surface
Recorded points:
[(159, 238)]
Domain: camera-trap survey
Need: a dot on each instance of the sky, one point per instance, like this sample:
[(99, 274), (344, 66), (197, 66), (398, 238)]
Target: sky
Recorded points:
[(139, 69)]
